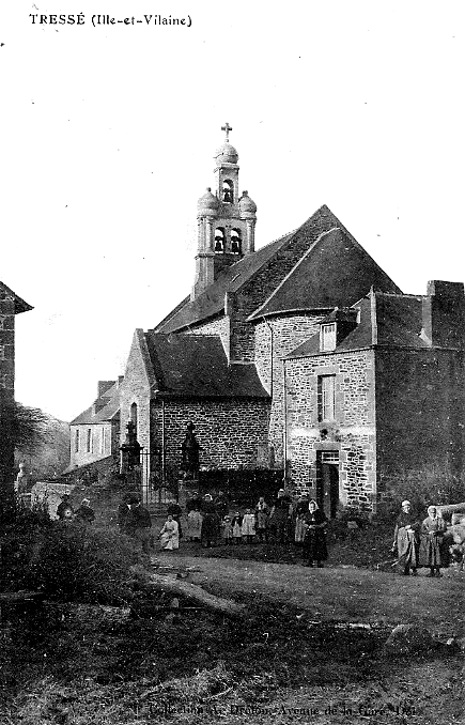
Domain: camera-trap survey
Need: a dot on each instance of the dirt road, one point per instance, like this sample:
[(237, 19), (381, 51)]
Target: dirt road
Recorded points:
[(336, 593)]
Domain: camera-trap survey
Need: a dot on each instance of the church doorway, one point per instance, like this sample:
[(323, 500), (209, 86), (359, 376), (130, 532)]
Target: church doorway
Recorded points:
[(327, 489)]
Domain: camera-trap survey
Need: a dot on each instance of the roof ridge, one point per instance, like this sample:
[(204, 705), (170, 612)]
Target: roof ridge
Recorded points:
[(296, 265)]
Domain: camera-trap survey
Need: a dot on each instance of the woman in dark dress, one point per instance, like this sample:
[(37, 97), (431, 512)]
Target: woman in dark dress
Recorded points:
[(314, 547), (210, 522), (407, 539)]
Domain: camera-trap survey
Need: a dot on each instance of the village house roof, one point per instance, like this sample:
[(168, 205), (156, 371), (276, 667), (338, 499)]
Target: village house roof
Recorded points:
[(20, 304), (385, 320), (104, 409), (196, 366), (331, 268)]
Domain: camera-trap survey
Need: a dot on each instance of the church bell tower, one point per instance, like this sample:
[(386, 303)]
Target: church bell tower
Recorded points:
[(226, 221)]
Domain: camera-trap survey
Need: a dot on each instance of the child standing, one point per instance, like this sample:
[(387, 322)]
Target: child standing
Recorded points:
[(227, 530), (248, 526), (236, 524)]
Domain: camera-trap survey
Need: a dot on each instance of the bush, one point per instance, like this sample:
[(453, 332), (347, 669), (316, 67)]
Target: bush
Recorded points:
[(68, 562), (76, 563)]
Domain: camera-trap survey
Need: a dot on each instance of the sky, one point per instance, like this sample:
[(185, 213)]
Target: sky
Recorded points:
[(108, 135)]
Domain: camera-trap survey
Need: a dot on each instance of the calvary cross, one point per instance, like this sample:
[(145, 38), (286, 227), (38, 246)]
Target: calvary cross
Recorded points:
[(226, 128)]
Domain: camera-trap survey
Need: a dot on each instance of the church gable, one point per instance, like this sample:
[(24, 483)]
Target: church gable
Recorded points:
[(334, 271)]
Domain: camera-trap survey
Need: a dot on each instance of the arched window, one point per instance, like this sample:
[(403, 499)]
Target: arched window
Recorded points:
[(134, 416), (236, 241), (228, 191), (219, 240)]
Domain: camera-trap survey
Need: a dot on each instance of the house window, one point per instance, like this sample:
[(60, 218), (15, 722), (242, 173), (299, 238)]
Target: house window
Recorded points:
[(89, 440), (102, 439), (326, 397), (328, 337), (76, 441)]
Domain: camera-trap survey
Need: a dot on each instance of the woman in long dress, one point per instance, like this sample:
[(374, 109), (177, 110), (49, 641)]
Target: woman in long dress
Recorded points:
[(406, 539), (433, 552), (169, 535), (315, 548), (194, 524)]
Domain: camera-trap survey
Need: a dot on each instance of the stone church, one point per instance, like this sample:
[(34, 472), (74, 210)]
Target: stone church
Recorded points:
[(302, 356)]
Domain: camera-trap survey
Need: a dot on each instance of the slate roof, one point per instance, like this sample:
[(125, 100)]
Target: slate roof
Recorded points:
[(20, 304), (391, 321), (332, 269), (196, 366), (109, 411), (335, 270), (211, 301)]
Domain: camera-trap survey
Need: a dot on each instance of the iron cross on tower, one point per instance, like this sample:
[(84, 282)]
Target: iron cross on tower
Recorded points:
[(226, 128)]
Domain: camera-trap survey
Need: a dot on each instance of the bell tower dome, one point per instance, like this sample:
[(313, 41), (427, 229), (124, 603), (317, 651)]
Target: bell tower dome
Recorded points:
[(226, 220)]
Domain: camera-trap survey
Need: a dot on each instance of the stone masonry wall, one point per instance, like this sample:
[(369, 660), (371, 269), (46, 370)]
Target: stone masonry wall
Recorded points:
[(274, 339), (7, 390), (232, 434), (136, 388), (352, 433), (420, 415)]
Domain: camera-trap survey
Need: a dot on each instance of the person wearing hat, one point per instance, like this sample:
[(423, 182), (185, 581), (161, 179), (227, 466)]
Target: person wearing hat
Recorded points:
[(85, 514), (407, 539)]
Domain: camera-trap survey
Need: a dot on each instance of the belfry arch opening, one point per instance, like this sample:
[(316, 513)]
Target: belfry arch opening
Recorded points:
[(220, 238), (228, 191), (236, 241)]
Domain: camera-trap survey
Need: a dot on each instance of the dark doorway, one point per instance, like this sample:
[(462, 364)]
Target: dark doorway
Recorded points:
[(328, 482)]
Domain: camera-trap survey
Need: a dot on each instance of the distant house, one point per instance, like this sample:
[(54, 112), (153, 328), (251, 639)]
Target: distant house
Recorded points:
[(94, 434), (10, 305)]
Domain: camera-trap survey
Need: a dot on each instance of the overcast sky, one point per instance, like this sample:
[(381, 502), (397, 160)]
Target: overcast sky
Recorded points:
[(108, 137)]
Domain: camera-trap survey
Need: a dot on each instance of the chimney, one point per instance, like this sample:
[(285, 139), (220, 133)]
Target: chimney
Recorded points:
[(120, 380), (103, 386), (443, 315)]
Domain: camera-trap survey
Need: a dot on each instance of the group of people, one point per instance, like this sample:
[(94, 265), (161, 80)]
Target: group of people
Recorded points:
[(84, 514), (420, 544), (209, 522)]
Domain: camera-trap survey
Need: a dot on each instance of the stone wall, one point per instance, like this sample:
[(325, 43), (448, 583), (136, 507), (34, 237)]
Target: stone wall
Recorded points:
[(274, 339), (420, 414), (7, 390), (137, 388), (352, 433), (232, 433)]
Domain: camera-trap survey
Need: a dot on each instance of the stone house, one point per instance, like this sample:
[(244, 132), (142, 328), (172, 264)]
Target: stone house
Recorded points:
[(95, 433), (10, 305), (377, 394)]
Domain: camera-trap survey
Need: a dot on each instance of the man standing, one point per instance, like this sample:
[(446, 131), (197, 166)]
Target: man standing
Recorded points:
[(139, 523), (281, 515)]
